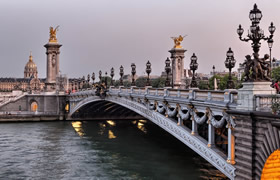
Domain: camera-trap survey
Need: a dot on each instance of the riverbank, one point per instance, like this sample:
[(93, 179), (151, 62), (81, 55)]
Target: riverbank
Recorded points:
[(31, 118)]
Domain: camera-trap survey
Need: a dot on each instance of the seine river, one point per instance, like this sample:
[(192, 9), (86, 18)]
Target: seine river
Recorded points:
[(97, 150)]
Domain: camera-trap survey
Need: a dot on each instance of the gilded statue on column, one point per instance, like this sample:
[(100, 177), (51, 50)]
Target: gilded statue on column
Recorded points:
[(178, 40), (53, 34)]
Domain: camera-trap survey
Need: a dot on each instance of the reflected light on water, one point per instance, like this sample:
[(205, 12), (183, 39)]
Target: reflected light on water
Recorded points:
[(112, 123), (134, 122), (141, 127), (102, 128), (111, 135), (77, 125)]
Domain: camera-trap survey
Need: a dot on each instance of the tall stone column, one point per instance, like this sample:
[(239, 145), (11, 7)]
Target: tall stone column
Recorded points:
[(52, 64), (177, 57)]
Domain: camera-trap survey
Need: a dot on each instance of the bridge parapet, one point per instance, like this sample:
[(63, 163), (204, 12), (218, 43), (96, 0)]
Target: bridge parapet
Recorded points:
[(266, 102), (228, 96)]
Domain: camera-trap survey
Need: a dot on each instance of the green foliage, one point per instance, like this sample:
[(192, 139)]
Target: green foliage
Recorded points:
[(158, 82), (203, 85), (276, 73), (141, 82), (222, 82)]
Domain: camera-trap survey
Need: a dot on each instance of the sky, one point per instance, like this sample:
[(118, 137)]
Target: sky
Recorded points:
[(101, 34)]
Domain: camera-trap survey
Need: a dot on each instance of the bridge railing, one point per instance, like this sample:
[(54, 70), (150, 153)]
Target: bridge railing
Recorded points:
[(194, 94), (267, 103)]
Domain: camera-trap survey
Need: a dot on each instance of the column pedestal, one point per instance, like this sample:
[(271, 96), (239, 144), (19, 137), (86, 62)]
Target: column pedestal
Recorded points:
[(246, 100)]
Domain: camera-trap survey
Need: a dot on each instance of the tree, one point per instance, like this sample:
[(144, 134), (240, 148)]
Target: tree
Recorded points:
[(141, 82), (276, 73), (158, 82), (222, 81), (203, 84)]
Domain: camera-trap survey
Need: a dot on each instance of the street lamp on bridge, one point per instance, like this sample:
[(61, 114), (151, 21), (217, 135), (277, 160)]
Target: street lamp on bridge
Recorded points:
[(167, 70), (121, 74), (133, 72), (148, 71), (213, 70), (112, 75), (100, 76), (93, 77), (230, 63), (193, 67), (270, 44)]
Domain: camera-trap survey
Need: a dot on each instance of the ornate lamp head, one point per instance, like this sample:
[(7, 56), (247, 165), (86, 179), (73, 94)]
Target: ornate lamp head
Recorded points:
[(93, 76), (271, 28), (167, 66), (255, 15), (193, 64), (133, 69), (270, 43), (121, 70), (112, 72), (240, 30), (148, 67)]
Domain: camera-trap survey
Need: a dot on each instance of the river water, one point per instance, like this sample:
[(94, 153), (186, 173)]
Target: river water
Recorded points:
[(104, 150)]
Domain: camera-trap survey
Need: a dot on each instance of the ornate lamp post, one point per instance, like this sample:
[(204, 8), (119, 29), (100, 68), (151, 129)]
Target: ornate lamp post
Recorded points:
[(106, 79), (256, 34), (112, 75), (100, 76), (167, 70), (121, 74), (193, 67), (270, 44), (93, 77), (133, 72), (213, 70), (148, 71), (230, 63)]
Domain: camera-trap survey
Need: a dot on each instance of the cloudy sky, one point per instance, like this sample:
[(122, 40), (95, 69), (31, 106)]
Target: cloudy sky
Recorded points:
[(100, 34)]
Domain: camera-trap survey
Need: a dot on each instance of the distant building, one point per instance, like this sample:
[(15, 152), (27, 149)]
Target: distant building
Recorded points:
[(29, 82), (275, 63), (240, 71)]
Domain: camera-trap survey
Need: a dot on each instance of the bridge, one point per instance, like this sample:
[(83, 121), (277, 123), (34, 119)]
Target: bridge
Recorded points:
[(183, 113)]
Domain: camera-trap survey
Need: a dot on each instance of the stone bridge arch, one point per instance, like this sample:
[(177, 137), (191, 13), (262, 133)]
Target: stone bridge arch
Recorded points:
[(182, 133)]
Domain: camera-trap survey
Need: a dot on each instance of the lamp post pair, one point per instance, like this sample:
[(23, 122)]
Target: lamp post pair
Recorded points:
[(148, 71), (193, 67)]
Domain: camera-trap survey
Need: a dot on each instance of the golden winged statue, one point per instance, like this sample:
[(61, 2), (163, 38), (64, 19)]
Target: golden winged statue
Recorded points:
[(178, 40), (53, 34)]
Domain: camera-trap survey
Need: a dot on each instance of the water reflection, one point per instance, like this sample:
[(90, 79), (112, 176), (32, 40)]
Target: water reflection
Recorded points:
[(111, 135), (77, 125)]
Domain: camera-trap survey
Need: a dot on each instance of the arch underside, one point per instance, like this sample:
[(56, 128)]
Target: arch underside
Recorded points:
[(269, 143), (182, 133)]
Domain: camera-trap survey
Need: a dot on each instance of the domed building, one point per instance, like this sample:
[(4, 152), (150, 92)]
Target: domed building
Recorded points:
[(30, 69), (30, 82)]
